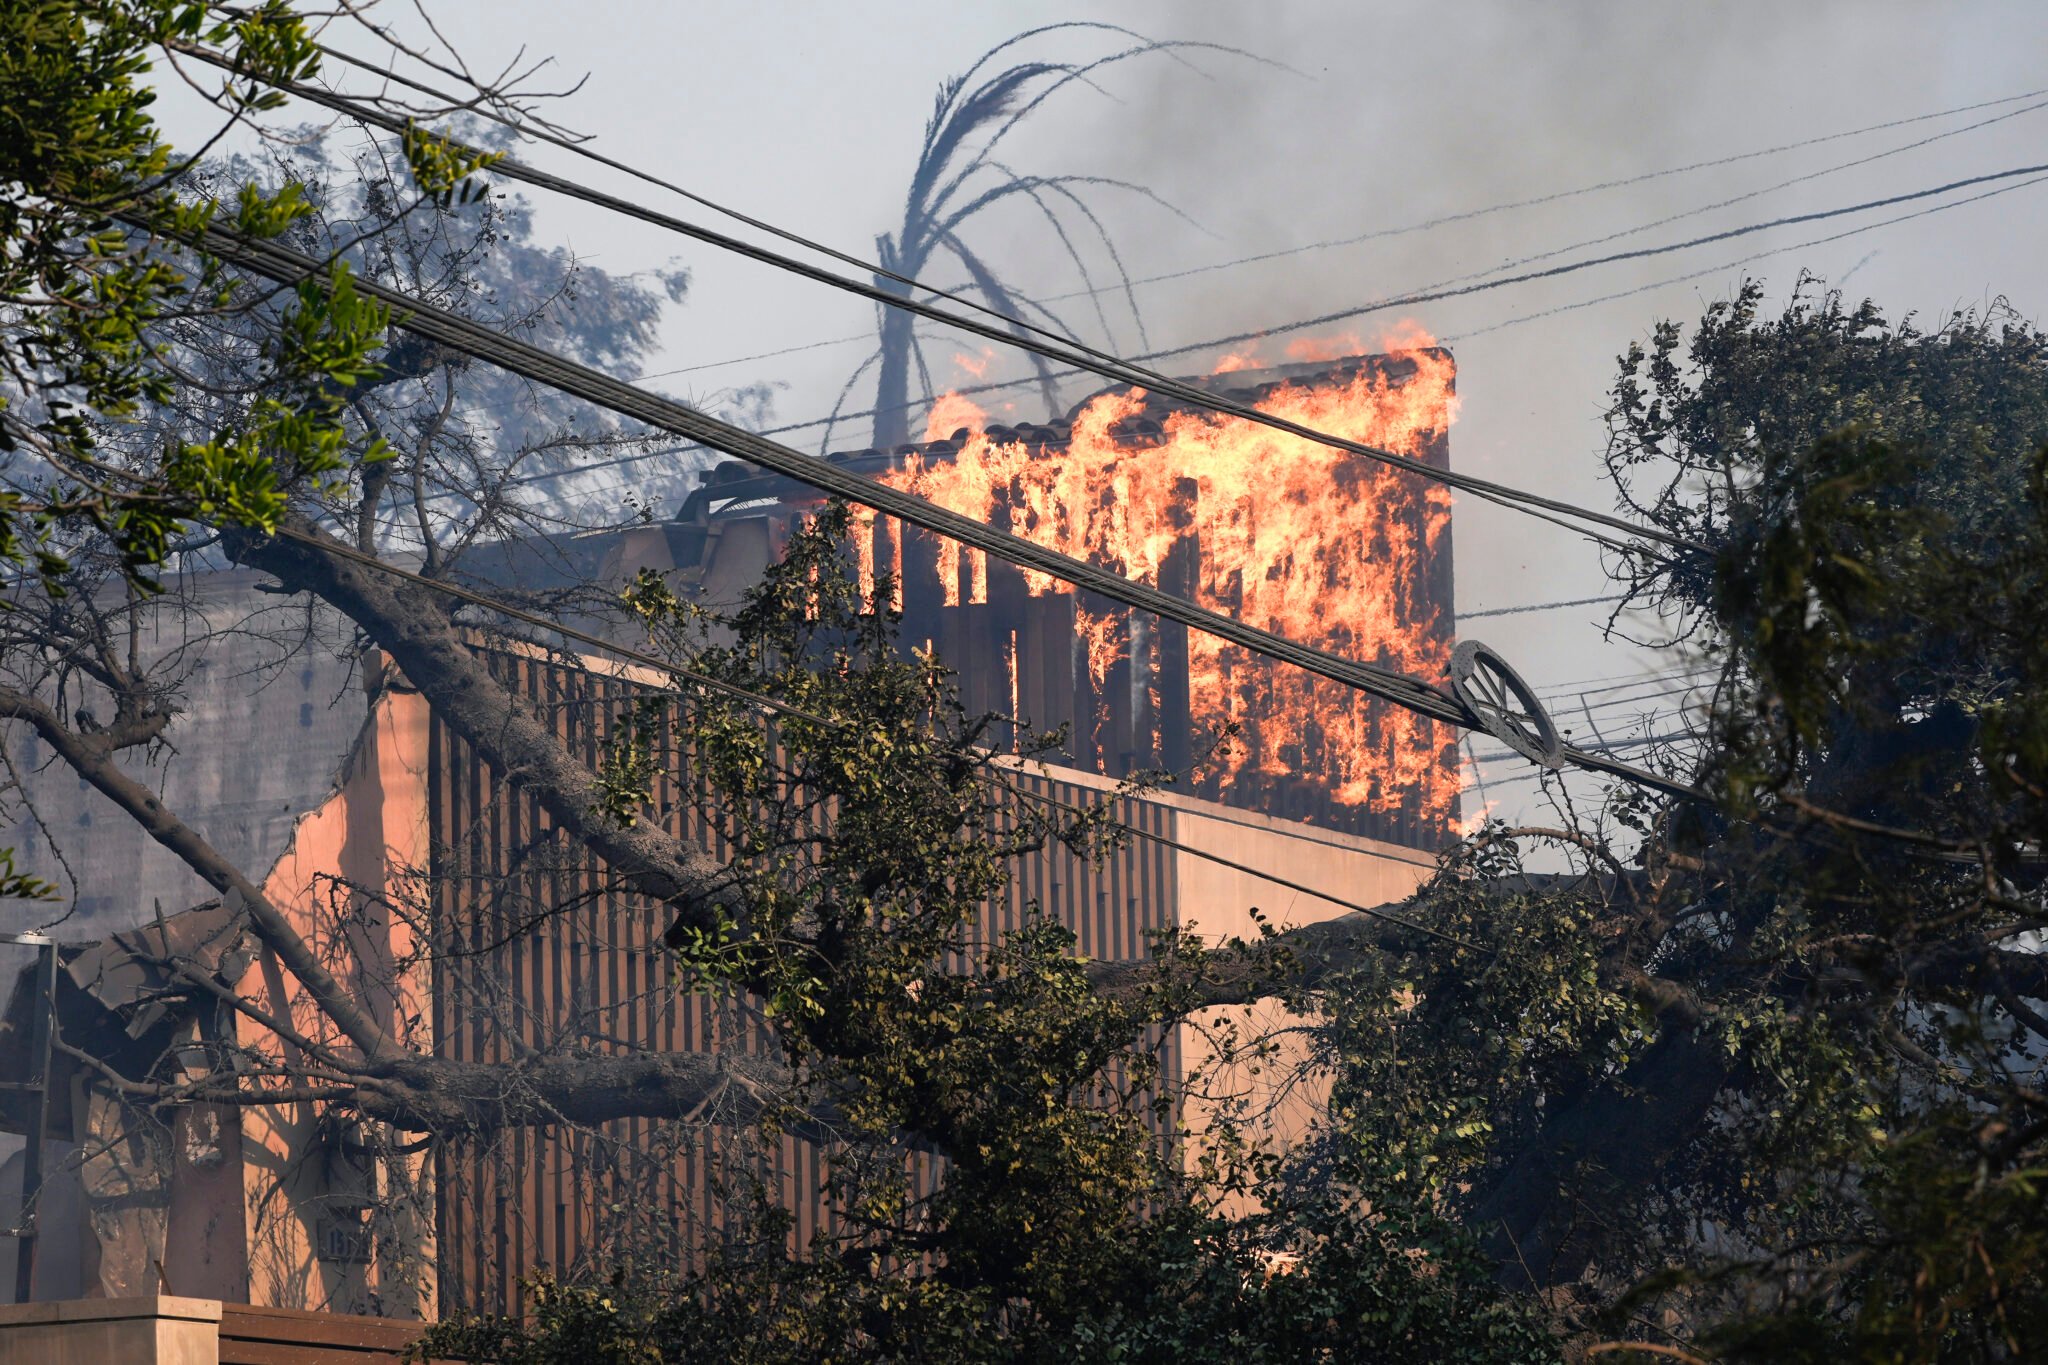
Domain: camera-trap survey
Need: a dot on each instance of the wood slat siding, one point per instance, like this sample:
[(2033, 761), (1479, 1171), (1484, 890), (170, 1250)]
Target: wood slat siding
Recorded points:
[(292, 1336), (529, 945)]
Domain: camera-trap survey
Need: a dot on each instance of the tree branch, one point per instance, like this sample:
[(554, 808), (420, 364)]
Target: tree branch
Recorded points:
[(424, 642)]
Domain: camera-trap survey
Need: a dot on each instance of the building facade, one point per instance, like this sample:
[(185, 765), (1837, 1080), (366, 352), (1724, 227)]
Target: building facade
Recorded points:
[(436, 887)]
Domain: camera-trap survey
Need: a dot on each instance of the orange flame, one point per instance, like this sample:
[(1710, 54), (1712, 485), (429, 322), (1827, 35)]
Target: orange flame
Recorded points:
[(1331, 348), (1317, 545), (951, 413)]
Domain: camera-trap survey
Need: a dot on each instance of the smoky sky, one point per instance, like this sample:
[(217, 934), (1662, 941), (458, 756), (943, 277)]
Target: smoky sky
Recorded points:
[(1345, 118)]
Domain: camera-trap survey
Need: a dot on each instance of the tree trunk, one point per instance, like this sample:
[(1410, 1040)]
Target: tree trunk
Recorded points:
[(892, 374)]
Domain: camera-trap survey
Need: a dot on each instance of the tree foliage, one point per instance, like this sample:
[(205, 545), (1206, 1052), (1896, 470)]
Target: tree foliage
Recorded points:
[(91, 217), (1768, 1088)]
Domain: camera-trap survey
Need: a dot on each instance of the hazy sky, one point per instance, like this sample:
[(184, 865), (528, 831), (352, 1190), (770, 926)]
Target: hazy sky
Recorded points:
[(1361, 116)]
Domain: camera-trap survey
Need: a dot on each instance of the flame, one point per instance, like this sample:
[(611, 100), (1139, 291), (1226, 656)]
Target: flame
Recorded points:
[(1473, 821), (975, 365), (1317, 545), (951, 413), (1332, 348)]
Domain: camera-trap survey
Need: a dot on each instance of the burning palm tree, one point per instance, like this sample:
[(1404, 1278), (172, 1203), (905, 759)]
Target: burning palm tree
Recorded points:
[(959, 178)]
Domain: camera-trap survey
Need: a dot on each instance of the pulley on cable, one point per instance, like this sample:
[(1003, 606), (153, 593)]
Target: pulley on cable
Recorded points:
[(1500, 703)]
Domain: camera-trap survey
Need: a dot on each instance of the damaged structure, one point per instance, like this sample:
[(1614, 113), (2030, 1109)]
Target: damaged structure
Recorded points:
[(437, 890)]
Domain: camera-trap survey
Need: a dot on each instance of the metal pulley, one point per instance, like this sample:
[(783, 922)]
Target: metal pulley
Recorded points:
[(1504, 706)]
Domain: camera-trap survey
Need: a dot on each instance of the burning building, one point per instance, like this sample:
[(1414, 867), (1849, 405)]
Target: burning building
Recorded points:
[(1327, 548), (413, 859)]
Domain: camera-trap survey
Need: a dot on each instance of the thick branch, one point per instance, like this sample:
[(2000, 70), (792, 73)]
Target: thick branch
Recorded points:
[(437, 1095), (1307, 957), (423, 641), (1299, 958)]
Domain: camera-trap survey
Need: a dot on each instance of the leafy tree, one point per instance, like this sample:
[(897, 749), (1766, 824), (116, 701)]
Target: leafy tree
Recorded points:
[(1767, 1088), (94, 208), (1064, 1225)]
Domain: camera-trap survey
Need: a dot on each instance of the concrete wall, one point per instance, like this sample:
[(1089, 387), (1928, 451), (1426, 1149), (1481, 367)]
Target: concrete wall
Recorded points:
[(350, 880), (141, 1331)]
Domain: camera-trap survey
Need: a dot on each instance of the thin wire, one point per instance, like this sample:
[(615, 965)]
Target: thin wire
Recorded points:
[(581, 149), (1539, 606), (1602, 748), (1743, 260), (761, 699), (461, 334), (1624, 680), (1402, 301), (335, 100), (1634, 699), (286, 266), (1467, 215), (1084, 358), (1611, 258)]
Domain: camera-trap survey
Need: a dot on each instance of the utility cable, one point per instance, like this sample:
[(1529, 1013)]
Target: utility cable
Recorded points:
[(1611, 258), (1540, 606), (460, 334), (1466, 215), (1404, 300), (1082, 358), (581, 149), (329, 546)]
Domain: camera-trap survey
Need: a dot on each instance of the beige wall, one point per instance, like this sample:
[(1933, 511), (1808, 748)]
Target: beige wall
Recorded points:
[(1249, 1064), (141, 1331), (351, 883)]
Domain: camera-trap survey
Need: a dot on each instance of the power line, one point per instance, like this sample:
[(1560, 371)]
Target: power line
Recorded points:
[(1748, 195), (343, 104), (1467, 215), (1612, 258), (1406, 300), (1423, 225), (461, 334), (1083, 358), (1633, 698), (1623, 680), (1743, 260), (1540, 606), (1600, 748), (1642, 703)]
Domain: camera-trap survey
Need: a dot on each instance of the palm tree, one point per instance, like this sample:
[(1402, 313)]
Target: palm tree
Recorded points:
[(959, 178)]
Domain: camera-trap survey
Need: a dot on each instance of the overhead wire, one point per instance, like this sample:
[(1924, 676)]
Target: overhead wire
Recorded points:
[(290, 267), (1727, 266), (580, 149), (1540, 606), (1466, 215), (1389, 232), (1194, 396), (1749, 195), (1427, 224), (1083, 358), (698, 678), (975, 390)]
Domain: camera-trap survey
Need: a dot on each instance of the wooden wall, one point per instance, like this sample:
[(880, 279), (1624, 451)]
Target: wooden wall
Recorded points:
[(538, 946)]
